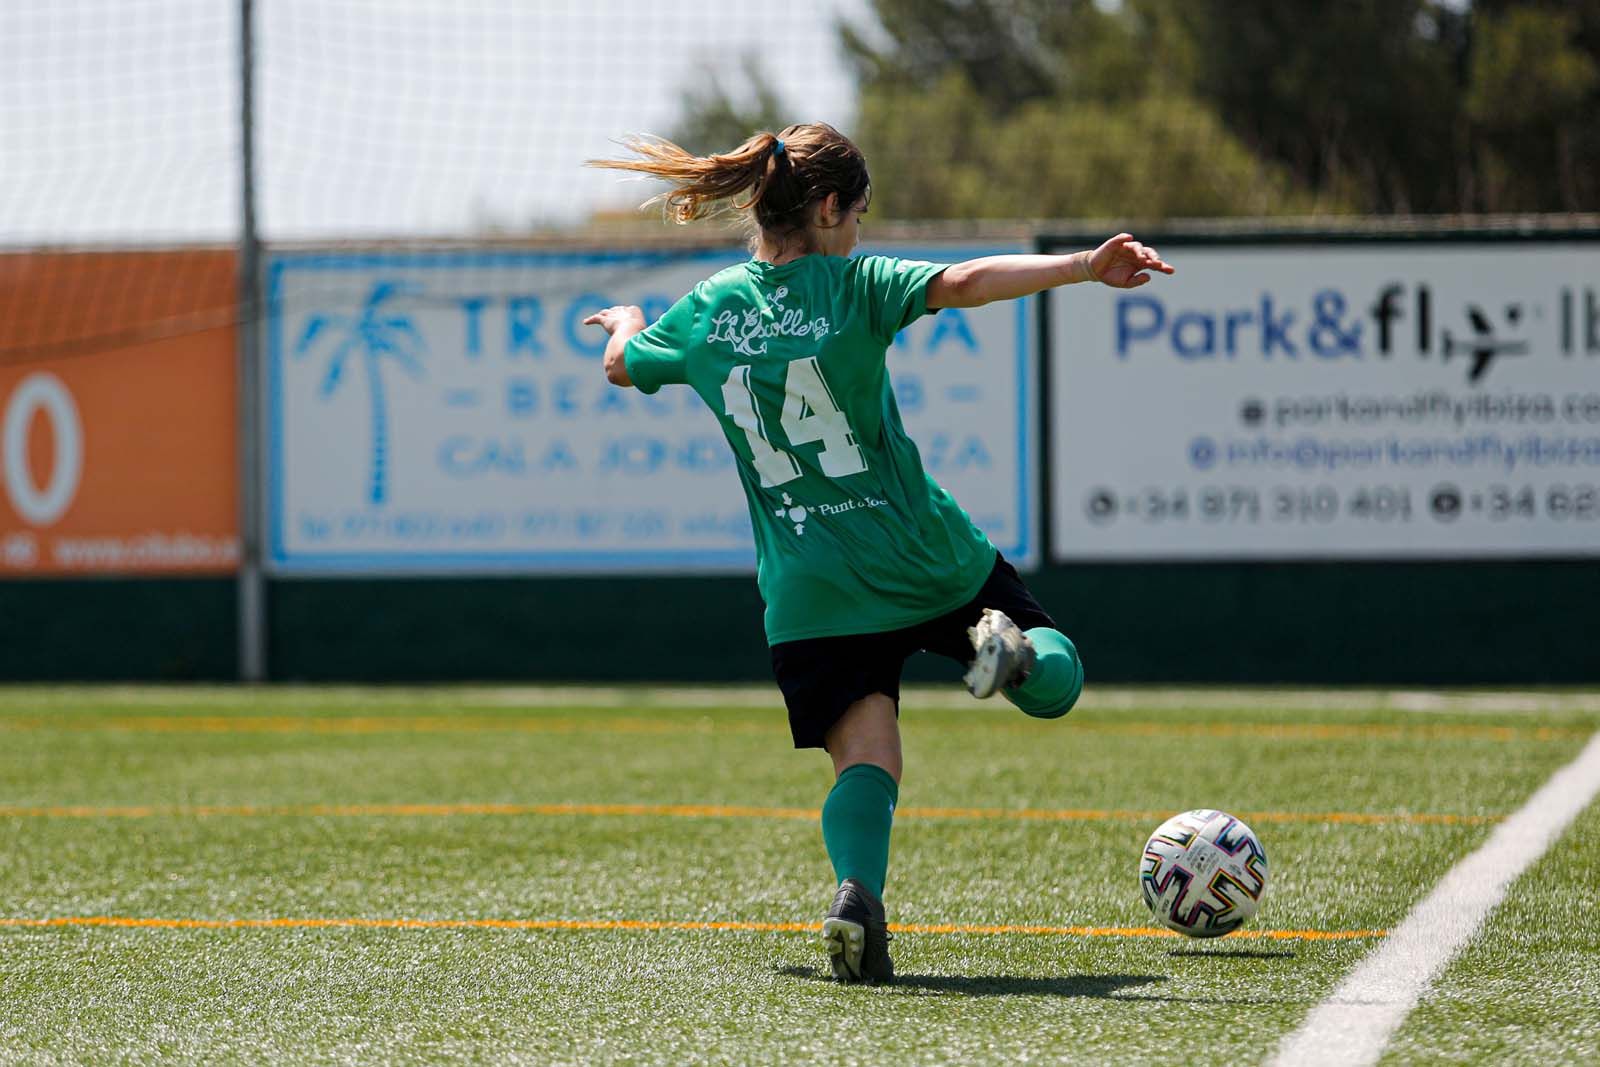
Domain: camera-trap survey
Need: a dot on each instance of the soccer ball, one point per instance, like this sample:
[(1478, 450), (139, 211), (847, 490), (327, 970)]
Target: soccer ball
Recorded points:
[(1203, 873)]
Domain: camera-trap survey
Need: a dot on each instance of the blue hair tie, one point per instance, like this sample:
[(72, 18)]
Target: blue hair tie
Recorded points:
[(777, 148)]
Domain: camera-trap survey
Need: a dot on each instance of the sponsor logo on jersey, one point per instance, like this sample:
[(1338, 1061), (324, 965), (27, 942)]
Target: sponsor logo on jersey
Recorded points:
[(746, 331)]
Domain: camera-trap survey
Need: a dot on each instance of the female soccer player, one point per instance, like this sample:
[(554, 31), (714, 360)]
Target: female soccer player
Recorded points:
[(862, 559)]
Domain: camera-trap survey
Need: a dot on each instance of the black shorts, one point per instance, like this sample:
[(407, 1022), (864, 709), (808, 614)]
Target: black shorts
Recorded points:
[(822, 676)]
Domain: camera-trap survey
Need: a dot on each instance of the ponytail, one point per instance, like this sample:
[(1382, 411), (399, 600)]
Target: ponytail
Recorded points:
[(783, 173)]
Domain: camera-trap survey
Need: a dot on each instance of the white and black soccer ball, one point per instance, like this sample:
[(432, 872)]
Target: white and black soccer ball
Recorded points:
[(1203, 873)]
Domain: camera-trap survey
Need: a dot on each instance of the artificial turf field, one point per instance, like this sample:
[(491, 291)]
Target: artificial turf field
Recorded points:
[(634, 875)]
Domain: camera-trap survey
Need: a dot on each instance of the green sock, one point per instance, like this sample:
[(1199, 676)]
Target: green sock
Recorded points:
[(855, 824), (1056, 680)]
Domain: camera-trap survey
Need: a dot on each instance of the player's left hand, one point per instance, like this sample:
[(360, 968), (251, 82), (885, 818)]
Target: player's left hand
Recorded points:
[(1122, 262), (612, 317)]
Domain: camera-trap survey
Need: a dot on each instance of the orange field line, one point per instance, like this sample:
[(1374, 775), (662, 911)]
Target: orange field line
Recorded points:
[(715, 811), (675, 724), (648, 924)]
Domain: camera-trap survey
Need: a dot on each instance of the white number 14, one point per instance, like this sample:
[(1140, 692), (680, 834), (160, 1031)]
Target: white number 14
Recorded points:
[(809, 414)]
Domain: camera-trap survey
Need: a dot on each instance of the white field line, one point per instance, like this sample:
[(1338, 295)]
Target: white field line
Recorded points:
[(1353, 1025)]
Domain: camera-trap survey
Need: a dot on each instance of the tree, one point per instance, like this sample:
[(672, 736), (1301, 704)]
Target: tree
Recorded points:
[(1413, 105), (1359, 97), (1032, 109), (1533, 92), (1156, 109), (1008, 51), (941, 155), (716, 118)]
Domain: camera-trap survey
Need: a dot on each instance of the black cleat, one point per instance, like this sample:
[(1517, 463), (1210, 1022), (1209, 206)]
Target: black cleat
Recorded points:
[(856, 936)]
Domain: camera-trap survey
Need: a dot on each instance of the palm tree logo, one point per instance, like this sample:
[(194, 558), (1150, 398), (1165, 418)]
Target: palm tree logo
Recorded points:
[(378, 335)]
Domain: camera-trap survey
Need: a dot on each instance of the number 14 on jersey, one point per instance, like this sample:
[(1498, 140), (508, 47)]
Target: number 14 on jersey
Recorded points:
[(809, 414)]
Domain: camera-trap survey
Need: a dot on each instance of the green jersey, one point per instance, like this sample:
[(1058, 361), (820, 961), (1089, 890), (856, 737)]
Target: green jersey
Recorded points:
[(851, 534)]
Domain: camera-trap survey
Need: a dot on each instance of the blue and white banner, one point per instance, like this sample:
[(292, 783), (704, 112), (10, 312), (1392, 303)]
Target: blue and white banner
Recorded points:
[(446, 412), (1376, 400)]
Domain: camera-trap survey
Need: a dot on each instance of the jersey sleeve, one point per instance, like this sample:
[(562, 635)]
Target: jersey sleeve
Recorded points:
[(896, 291), (659, 355)]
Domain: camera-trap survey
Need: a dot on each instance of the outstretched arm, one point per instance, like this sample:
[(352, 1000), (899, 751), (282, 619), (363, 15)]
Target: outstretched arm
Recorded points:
[(621, 322), (1121, 262)]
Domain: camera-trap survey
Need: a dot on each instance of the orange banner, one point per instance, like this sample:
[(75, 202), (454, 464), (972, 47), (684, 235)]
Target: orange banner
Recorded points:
[(117, 413)]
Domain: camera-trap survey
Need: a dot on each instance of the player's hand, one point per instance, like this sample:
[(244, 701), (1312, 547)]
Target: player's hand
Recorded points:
[(1122, 262), (612, 317)]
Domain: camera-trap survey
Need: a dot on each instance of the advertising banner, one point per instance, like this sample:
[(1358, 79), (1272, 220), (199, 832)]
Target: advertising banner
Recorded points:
[(118, 455), (1337, 400), (447, 412)]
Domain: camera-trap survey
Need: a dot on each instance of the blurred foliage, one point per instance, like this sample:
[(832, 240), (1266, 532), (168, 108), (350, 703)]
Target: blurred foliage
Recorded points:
[(944, 155), (1054, 108), (1356, 97), (1157, 109), (717, 117), (1533, 99)]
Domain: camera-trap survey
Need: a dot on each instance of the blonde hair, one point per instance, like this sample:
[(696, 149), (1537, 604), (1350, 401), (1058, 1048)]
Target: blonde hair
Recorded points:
[(785, 172)]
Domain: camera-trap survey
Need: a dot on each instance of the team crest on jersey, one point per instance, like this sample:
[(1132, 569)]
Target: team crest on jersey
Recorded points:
[(746, 331)]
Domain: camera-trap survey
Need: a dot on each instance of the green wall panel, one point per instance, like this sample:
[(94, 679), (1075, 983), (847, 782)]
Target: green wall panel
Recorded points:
[(107, 629), (1499, 623), (1517, 623), (604, 629)]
